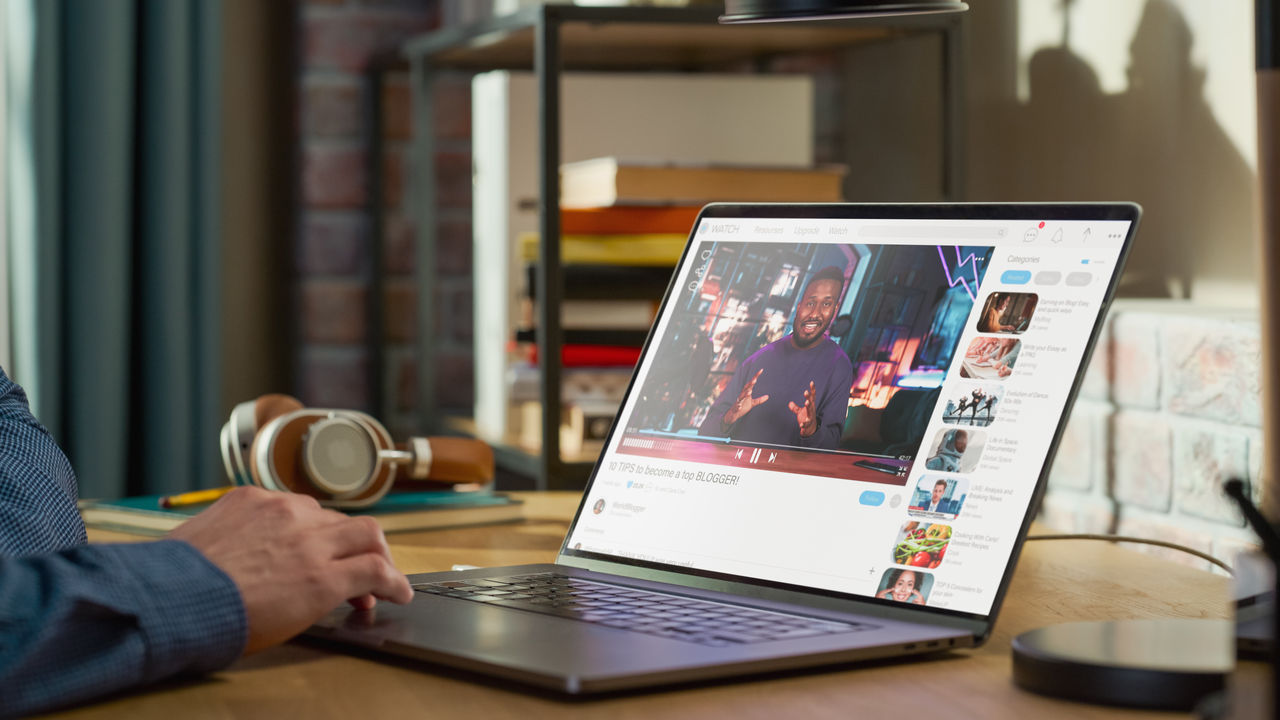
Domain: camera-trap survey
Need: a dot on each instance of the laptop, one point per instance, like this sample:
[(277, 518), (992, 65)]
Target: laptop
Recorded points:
[(790, 480)]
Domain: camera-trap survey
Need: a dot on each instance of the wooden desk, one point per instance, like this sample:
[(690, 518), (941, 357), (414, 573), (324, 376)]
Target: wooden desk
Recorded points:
[(1056, 581)]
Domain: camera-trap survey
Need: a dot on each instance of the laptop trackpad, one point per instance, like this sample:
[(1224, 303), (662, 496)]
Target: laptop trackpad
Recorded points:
[(542, 649)]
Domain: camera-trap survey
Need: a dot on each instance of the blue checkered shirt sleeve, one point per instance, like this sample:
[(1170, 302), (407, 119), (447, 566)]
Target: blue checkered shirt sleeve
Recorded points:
[(79, 621)]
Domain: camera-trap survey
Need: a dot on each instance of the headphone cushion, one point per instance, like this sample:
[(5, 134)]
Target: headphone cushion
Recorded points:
[(267, 409)]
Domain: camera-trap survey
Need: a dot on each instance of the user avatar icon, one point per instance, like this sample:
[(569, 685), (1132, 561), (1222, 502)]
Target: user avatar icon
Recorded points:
[(598, 507)]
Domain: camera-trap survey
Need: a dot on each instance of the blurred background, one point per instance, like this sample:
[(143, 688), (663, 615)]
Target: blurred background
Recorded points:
[(185, 221)]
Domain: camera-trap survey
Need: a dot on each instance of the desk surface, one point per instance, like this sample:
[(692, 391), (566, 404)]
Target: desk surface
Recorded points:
[(1056, 581)]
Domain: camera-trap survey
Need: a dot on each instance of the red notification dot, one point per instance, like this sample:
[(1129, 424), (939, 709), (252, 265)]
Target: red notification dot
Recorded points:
[(1041, 224)]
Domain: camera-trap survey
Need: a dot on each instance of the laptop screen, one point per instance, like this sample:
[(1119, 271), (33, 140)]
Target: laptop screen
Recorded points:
[(859, 399)]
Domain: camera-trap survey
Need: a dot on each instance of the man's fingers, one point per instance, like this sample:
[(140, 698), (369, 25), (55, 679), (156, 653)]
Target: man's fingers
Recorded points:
[(752, 383), (794, 408), (371, 574), (760, 400), (364, 602), (354, 536)]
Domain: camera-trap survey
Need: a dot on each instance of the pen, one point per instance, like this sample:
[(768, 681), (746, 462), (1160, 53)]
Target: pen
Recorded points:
[(195, 498)]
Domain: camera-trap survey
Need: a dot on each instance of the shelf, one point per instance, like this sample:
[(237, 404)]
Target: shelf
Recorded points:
[(551, 39), (646, 38)]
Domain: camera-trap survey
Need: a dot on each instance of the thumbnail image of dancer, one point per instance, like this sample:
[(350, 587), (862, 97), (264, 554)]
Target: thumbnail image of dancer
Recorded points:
[(986, 406), (978, 395), (795, 390), (974, 407)]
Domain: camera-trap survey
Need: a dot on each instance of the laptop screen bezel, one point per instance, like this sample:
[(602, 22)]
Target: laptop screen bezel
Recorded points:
[(1089, 211)]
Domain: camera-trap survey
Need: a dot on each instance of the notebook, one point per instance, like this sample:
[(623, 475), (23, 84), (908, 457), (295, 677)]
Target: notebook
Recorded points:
[(766, 497), (395, 512)]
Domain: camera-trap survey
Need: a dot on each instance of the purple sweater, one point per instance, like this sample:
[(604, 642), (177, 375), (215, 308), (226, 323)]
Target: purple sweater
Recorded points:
[(787, 373)]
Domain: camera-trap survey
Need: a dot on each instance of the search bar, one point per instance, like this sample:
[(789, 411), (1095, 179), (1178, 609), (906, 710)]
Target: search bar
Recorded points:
[(932, 232)]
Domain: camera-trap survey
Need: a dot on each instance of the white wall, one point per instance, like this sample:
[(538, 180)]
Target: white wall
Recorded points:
[(1102, 32), (1145, 100)]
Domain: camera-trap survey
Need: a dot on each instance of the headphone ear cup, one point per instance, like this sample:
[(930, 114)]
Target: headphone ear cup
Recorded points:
[(266, 410), (334, 456), (384, 472)]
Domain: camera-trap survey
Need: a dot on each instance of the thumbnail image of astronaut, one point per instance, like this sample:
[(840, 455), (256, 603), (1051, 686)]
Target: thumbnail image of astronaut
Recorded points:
[(972, 405), (955, 450), (840, 348), (938, 497)]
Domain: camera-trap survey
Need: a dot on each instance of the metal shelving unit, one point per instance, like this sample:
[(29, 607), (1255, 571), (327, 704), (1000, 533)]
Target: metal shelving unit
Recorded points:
[(550, 39)]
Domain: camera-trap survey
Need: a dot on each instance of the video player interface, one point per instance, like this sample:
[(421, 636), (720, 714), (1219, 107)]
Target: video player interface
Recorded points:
[(857, 405)]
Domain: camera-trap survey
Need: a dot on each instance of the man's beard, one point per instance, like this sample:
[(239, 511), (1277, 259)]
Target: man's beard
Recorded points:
[(803, 343)]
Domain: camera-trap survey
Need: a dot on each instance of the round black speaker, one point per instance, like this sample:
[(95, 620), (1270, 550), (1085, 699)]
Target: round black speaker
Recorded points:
[(1159, 664), (781, 10)]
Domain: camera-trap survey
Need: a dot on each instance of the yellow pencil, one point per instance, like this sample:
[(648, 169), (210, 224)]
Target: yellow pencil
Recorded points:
[(196, 497)]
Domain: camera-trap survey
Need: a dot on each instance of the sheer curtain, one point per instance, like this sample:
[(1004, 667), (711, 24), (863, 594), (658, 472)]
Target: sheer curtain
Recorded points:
[(112, 174)]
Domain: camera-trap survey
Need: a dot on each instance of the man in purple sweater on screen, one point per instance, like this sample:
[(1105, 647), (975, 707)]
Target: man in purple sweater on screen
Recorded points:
[(795, 390)]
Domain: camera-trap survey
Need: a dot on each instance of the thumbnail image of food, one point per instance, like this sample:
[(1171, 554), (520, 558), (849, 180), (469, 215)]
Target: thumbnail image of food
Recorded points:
[(921, 544)]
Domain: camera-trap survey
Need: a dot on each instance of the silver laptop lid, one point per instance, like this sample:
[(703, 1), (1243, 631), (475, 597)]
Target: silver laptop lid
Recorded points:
[(861, 401)]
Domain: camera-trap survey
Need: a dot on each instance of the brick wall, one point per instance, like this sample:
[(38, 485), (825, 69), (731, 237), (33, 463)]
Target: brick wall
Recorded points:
[(1171, 407), (332, 258)]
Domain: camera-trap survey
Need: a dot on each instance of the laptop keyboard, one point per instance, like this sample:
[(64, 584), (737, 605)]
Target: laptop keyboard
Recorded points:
[(669, 616)]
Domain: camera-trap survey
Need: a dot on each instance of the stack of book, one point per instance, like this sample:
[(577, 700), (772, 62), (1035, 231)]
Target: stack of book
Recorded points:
[(616, 262), (396, 512)]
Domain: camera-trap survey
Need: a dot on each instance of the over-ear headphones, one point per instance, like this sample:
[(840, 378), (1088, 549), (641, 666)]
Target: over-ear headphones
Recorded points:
[(343, 458)]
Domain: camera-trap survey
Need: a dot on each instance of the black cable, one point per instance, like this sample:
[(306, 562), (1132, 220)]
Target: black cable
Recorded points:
[(1235, 489)]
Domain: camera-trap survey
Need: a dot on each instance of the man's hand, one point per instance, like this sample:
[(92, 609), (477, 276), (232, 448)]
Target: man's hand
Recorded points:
[(745, 403), (807, 414), (292, 560)]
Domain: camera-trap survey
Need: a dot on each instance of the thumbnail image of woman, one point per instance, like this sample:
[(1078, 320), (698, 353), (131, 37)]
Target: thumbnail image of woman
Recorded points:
[(1007, 312), (997, 305), (906, 586)]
